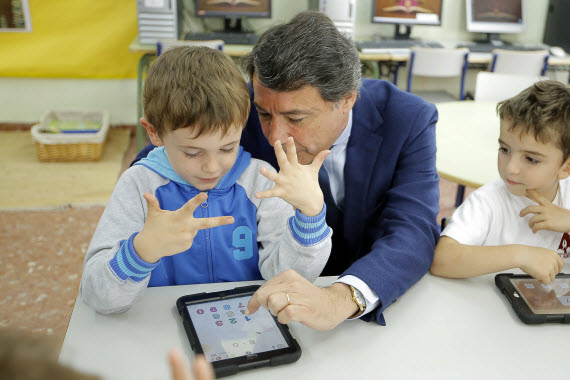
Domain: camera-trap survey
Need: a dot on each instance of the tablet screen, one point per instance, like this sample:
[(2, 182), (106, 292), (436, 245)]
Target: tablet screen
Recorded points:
[(553, 298), (226, 332)]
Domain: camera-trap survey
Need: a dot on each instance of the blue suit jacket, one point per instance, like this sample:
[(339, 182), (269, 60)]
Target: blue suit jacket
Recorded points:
[(389, 227)]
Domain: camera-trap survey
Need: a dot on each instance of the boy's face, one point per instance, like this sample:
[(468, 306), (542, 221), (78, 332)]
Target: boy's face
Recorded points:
[(527, 164), (202, 161)]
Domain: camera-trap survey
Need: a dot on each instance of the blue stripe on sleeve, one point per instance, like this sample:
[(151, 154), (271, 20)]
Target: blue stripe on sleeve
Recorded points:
[(127, 264), (309, 230)]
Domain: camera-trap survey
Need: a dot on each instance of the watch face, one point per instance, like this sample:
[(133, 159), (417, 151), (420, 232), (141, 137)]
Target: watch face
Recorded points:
[(358, 298)]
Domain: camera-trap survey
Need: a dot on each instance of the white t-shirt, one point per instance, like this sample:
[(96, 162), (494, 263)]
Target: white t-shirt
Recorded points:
[(490, 217)]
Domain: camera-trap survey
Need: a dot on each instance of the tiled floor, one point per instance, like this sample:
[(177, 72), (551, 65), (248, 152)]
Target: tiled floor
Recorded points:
[(42, 258)]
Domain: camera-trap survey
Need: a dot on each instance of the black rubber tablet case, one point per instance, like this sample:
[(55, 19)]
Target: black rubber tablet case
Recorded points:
[(232, 366), (520, 307)]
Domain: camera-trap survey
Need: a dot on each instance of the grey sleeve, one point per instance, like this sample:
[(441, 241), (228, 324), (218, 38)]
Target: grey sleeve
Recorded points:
[(279, 250), (103, 288)]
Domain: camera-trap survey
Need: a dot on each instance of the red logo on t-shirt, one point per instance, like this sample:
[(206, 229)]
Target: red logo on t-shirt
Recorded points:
[(563, 248)]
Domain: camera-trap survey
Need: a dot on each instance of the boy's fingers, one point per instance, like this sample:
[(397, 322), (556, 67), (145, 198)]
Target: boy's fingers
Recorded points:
[(560, 264), (193, 203), (319, 159), (538, 226), (280, 154), (152, 202), (202, 369), (178, 367), (536, 219), (291, 150), (267, 194), (530, 210), (272, 176), (214, 221), (535, 196)]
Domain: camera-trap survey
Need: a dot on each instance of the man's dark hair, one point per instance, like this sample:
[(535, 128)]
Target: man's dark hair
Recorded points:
[(308, 50)]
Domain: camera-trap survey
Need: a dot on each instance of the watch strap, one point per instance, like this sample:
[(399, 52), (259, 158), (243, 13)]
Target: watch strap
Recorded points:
[(359, 300)]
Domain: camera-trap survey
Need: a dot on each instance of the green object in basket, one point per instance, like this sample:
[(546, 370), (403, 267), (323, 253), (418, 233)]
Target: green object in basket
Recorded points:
[(73, 126)]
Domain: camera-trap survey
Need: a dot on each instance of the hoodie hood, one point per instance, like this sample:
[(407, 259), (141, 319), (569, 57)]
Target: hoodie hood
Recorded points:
[(157, 161)]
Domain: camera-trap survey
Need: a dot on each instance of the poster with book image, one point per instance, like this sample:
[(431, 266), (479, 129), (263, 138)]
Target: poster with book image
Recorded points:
[(15, 16)]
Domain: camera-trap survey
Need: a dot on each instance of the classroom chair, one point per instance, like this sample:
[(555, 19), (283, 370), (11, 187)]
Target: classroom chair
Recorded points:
[(438, 63), (494, 87), (519, 62), (144, 64)]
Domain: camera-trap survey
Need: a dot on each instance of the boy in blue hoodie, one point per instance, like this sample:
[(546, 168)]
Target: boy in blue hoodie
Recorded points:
[(210, 212)]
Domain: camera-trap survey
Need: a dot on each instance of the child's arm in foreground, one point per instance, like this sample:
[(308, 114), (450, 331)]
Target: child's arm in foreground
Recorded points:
[(129, 240), (305, 241), (456, 260)]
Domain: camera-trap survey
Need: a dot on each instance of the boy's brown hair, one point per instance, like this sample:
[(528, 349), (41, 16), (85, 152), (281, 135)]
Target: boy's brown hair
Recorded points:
[(196, 87), (543, 109)]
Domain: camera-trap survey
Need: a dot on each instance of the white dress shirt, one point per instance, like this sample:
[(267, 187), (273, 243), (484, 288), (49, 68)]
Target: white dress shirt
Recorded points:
[(334, 165)]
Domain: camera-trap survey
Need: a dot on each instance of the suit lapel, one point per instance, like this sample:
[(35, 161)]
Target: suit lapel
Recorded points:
[(362, 152)]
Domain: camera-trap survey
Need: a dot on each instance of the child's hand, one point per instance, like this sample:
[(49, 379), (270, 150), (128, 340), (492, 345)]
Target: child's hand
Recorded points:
[(295, 183), (541, 263), (201, 368), (548, 216), (166, 233)]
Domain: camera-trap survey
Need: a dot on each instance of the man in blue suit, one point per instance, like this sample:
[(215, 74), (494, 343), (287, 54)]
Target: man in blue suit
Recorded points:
[(380, 181)]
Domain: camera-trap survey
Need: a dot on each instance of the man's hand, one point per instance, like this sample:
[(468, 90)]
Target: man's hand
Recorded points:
[(295, 183), (290, 297), (201, 369), (547, 215), (541, 263), (166, 233)]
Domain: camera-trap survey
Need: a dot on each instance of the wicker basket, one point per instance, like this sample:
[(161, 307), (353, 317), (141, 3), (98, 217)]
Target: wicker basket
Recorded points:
[(67, 147)]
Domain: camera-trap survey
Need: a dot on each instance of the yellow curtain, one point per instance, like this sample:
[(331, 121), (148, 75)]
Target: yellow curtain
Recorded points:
[(73, 39)]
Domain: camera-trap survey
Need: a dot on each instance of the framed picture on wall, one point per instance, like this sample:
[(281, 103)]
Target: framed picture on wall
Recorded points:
[(15, 16)]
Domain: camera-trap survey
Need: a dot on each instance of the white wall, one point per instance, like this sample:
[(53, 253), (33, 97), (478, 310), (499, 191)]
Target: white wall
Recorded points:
[(24, 100)]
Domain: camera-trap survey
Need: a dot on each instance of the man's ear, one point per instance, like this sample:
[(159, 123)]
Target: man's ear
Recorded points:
[(565, 171), (152, 134), (348, 102)]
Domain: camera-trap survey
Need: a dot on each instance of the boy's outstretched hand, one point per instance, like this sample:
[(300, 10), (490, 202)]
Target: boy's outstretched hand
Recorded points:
[(166, 233), (295, 183), (547, 215)]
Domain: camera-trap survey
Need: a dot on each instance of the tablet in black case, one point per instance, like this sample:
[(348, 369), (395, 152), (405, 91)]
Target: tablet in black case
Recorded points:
[(217, 327), (534, 302)]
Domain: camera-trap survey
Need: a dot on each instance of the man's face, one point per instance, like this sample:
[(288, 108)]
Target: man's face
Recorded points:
[(202, 161), (527, 164), (314, 123)]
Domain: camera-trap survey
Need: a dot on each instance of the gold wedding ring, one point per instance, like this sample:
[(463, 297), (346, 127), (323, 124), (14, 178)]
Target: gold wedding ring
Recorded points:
[(288, 299)]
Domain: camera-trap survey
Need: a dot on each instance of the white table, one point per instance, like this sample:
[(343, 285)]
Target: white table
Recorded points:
[(440, 329), (467, 136)]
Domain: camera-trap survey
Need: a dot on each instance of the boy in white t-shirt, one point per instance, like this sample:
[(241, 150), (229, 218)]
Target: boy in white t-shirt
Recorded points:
[(523, 219)]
